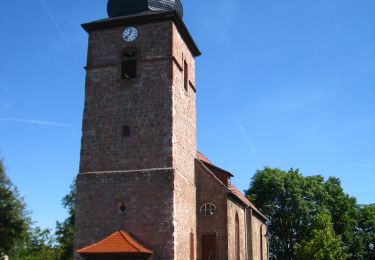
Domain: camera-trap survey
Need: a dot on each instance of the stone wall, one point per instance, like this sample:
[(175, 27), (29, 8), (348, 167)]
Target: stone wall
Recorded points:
[(184, 149), (235, 208), (210, 190), (152, 171), (259, 242), (148, 198), (143, 103)]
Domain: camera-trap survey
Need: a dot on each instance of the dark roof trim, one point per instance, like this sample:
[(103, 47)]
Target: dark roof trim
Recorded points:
[(146, 17), (217, 168), (204, 166)]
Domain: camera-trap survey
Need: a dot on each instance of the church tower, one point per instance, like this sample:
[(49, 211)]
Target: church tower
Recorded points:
[(139, 132)]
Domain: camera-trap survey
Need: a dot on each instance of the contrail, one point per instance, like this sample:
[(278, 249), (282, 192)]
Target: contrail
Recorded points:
[(36, 122), (247, 139), (58, 28)]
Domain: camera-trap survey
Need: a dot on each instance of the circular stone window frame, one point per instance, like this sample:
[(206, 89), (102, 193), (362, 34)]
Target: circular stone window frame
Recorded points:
[(208, 209)]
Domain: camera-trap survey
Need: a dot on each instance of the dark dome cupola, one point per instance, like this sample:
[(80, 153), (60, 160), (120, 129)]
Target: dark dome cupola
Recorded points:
[(117, 8)]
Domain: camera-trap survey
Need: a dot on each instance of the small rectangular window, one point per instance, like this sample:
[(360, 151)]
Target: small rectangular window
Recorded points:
[(129, 64), (186, 76), (125, 131)]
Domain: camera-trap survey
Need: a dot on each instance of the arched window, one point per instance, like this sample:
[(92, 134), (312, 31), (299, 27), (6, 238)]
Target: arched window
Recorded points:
[(237, 237)]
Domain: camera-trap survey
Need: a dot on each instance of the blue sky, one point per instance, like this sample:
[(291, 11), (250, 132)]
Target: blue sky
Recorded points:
[(280, 83)]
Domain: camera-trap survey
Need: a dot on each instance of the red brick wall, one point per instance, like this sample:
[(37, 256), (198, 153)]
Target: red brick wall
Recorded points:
[(143, 103), (258, 226), (184, 148), (236, 208), (209, 190), (153, 170), (148, 197), (223, 177)]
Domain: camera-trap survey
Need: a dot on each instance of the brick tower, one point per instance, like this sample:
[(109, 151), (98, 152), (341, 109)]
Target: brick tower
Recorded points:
[(139, 130)]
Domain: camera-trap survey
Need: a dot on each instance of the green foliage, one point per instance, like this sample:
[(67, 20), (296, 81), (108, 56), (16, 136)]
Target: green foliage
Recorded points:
[(38, 245), (65, 230), (14, 220), (289, 200), (294, 205), (323, 244), (21, 241), (44, 245), (343, 210), (366, 230)]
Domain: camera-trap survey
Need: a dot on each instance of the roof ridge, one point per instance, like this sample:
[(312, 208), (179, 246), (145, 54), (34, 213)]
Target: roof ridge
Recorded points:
[(125, 236), (118, 242), (201, 156)]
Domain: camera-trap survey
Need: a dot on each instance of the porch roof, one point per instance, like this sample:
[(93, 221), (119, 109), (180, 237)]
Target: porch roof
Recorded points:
[(117, 243)]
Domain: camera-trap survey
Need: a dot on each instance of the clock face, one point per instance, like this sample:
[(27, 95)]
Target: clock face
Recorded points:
[(130, 34)]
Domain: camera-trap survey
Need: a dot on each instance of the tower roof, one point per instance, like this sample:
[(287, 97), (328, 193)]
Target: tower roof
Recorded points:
[(119, 243), (117, 8)]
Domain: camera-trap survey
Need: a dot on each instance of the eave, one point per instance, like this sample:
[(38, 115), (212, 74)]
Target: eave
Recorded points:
[(143, 18)]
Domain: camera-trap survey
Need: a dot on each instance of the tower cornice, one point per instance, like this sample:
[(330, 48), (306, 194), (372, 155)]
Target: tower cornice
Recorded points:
[(146, 17)]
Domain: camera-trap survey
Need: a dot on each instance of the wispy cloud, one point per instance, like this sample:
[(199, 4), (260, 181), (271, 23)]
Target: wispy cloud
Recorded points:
[(4, 104), (36, 122), (362, 165), (247, 139), (58, 28)]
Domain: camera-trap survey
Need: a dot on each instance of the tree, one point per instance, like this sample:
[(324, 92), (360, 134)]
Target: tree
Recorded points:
[(293, 203), (344, 213), (20, 240), (38, 245), (323, 244), (290, 205), (366, 230), (14, 219), (65, 230)]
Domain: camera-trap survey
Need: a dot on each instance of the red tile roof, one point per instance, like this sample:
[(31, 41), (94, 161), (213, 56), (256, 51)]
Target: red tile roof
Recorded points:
[(240, 195), (202, 158), (243, 198), (119, 242)]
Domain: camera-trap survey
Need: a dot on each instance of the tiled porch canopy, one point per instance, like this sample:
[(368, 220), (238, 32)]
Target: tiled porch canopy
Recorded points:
[(119, 243)]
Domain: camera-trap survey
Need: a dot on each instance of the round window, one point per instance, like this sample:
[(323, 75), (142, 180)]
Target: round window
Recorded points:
[(122, 208), (208, 209)]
